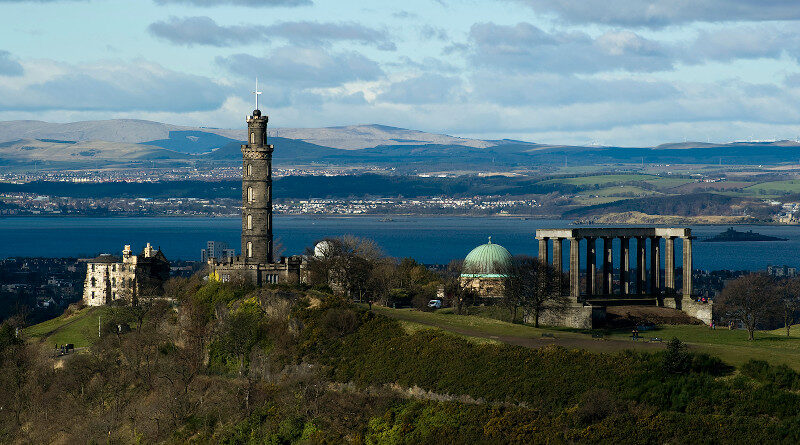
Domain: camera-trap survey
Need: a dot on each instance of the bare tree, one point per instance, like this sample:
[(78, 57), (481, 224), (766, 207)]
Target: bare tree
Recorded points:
[(750, 299), (790, 303), (534, 287), (347, 264)]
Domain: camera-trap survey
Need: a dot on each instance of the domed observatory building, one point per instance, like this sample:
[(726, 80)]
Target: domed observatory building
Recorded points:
[(483, 269)]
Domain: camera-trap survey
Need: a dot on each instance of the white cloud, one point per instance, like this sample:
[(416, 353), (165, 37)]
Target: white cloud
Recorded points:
[(109, 86), (306, 67), (659, 13)]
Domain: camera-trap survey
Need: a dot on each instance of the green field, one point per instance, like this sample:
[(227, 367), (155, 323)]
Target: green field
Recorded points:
[(611, 194), (607, 180), (79, 328), (731, 346), (775, 187)]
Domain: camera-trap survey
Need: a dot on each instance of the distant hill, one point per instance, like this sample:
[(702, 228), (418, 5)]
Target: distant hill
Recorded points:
[(30, 150), (192, 139), (109, 142)]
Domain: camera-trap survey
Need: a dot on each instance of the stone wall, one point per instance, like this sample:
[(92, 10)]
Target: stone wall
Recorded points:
[(576, 316), (697, 309), (486, 287)]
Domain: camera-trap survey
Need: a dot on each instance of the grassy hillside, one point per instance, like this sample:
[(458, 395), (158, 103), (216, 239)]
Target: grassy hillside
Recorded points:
[(79, 328), (289, 365), (730, 346)]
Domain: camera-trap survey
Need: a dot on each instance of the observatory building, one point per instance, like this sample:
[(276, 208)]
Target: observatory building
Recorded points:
[(483, 269)]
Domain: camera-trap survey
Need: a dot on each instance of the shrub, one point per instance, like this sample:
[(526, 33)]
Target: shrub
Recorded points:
[(781, 375)]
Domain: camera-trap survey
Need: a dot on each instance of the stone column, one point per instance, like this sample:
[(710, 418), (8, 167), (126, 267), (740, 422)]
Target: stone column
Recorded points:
[(624, 265), (655, 265), (641, 266), (591, 266), (543, 254), (558, 261), (669, 265), (687, 267), (608, 267), (574, 268)]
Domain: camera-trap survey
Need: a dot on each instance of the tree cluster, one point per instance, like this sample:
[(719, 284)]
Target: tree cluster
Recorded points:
[(758, 300)]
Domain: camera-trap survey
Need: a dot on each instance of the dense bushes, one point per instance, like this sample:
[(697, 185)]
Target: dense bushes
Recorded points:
[(282, 365), (781, 376)]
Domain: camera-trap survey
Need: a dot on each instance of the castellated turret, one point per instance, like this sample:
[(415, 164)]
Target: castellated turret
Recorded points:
[(257, 245)]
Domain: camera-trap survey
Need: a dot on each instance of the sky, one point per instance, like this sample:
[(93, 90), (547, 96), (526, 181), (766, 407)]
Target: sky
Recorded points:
[(609, 72)]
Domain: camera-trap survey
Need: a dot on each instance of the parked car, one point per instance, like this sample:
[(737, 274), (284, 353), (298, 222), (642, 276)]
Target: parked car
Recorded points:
[(435, 304)]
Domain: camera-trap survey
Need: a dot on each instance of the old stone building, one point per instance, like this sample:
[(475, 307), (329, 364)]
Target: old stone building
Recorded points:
[(483, 269), (110, 278), (256, 263)]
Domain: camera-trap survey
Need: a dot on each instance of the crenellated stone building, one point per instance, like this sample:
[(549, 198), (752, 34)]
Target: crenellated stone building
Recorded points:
[(256, 263), (110, 278)]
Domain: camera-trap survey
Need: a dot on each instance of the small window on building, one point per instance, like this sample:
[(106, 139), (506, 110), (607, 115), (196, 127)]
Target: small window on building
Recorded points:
[(252, 138), (249, 249), (114, 267), (114, 281), (249, 169), (92, 294), (250, 197), (94, 281), (92, 267), (249, 222)]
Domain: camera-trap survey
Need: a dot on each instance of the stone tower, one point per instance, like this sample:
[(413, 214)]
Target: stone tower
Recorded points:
[(257, 192)]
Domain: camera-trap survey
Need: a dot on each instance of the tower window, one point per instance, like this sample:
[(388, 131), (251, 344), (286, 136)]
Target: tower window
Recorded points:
[(249, 222), (252, 138), (250, 194), (249, 169), (249, 249)]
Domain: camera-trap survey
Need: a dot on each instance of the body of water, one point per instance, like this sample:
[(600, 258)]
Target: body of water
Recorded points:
[(427, 239)]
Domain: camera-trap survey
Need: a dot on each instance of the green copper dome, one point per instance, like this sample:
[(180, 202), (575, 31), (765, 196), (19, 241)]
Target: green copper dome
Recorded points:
[(486, 261)]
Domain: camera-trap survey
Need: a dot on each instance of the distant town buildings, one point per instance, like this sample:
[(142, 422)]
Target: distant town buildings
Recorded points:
[(110, 278), (217, 250), (782, 271)]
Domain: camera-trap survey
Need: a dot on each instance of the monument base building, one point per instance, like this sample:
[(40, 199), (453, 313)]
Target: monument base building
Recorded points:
[(287, 270), (642, 275)]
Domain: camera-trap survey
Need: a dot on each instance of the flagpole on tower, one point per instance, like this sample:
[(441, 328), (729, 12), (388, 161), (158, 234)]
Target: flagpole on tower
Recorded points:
[(256, 92)]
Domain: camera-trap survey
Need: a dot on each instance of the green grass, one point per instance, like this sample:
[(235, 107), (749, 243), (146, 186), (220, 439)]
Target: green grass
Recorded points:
[(608, 180), (794, 332), (447, 320), (79, 328), (730, 346), (775, 187), (613, 193)]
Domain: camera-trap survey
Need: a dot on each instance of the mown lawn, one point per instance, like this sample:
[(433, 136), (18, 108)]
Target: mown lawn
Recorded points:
[(731, 346), (79, 328), (446, 319)]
